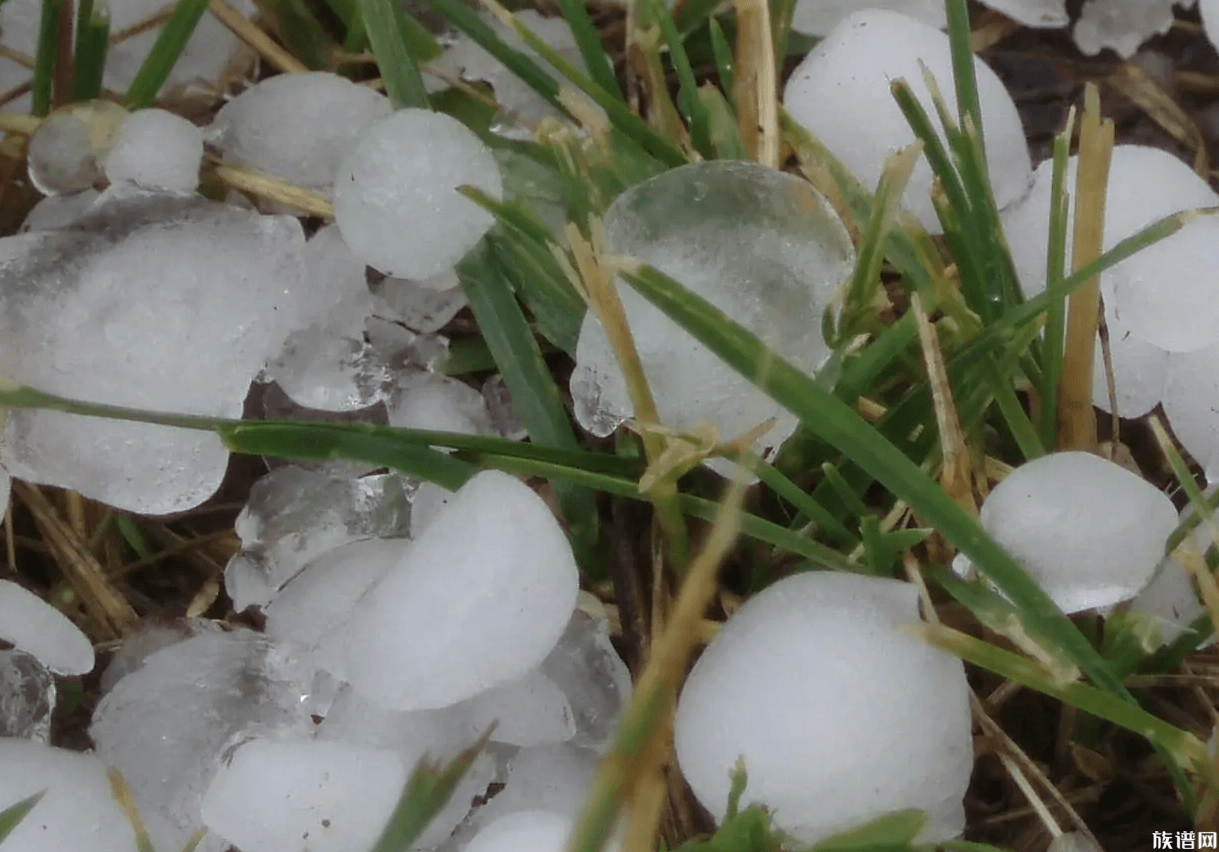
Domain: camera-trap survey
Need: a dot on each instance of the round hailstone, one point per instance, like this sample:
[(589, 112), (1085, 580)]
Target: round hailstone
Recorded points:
[(303, 796), (462, 612), (1191, 400), (819, 17), (65, 152), (297, 127), (523, 831), (42, 631), (395, 193), (760, 245), (78, 810), (1090, 532), (839, 715), (1140, 372), (1040, 14), (841, 93), (156, 150)]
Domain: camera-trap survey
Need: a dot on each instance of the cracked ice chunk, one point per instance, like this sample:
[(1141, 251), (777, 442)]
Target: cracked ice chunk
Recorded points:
[(34, 626), (27, 697), (426, 638), (425, 306), (303, 796), (819, 17), (1040, 14), (1090, 532), (297, 127), (156, 150), (839, 715), (1122, 25), (396, 199), (594, 678), (524, 831), (840, 93), (760, 245), (78, 810)]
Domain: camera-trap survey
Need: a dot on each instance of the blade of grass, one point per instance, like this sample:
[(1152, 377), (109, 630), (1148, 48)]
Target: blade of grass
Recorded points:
[(725, 66), (1056, 264), (402, 81), (722, 125), (302, 33), (159, 62), (46, 56), (92, 47), (688, 102), (595, 57), (12, 816), (694, 12)]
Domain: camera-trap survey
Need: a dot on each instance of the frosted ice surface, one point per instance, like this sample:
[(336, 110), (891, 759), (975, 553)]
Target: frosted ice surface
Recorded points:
[(1191, 402), (32, 625), (27, 697), (304, 796), (840, 716), (58, 211), (396, 199), (438, 403), (1122, 25), (145, 640), (156, 150), (528, 711), (167, 725), (1170, 600), (524, 831), (320, 370), (819, 17), (78, 810), (297, 127), (294, 516), (760, 245), (426, 306), (65, 152), (427, 638), (841, 93), (429, 500), (168, 303), (593, 677), (1090, 532), (1041, 14), (1140, 372)]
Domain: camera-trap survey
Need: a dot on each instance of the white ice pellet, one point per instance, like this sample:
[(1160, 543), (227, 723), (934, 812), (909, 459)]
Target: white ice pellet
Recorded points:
[(524, 831), (439, 403), (819, 17), (426, 638), (1191, 403), (841, 94), (304, 796), (1090, 532), (1122, 25), (156, 150), (1040, 14), (395, 193), (840, 716), (34, 626)]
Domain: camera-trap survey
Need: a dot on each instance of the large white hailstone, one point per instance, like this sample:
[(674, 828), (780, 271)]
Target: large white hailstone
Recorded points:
[(761, 246), (1090, 532), (481, 597), (34, 626), (1040, 14), (304, 796), (524, 831), (78, 810), (1163, 294), (819, 17), (395, 193), (1191, 402), (841, 94), (840, 716), (156, 150)]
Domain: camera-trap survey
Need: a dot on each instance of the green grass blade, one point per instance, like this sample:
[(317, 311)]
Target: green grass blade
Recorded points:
[(781, 13), (12, 816), (688, 102), (725, 64), (968, 105), (595, 57), (694, 12), (722, 124), (45, 57), (159, 62), (91, 49), (302, 33), (1056, 264), (402, 81)]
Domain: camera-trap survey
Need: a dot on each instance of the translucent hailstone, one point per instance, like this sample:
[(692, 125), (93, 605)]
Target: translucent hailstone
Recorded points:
[(1140, 372), (841, 93), (1170, 601), (1041, 14), (760, 245), (524, 831), (1191, 400), (304, 796), (425, 306), (439, 403), (78, 810), (65, 153), (1122, 25), (839, 715), (819, 17), (32, 625), (396, 199), (422, 638), (1090, 532), (297, 127)]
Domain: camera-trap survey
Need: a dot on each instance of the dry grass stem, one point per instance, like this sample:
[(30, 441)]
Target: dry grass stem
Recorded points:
[(756, 90), (273, 189), (256, 39)]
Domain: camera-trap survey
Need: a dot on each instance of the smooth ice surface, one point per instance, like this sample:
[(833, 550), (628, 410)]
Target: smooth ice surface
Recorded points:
[(167, 725), (1191, 402), (58, 211), (396, 199), (839, 715), (463, 613), (760, 245), (156, 150), (1140, 372), (297, 127), (27, 697), (524, 831), (66, 151), (78, 811), (1041, 14), (304, 796), (293, 516), (1090, 532), (34, 626), (840, 93), (439, 403), (819, 17), (168, 303), (1122, 25)]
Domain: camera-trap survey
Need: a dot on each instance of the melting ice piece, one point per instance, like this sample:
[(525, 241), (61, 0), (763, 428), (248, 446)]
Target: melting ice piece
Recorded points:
[(1090, 532), (1040, 14), (760, 245), (422, 638), (841, 93), (396, 199), (297, 126), (839, 715), (294, 516), (1122, 25), (34, 626), (426, 306), (592, 676), (27, 697), (304, 796), (524, 831), (167, 725), (78, 810), (819, 17), (66, 151), (438, 403), (156, 150), (1170, 600), (58, 211), (129, 306), (552, 778)]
